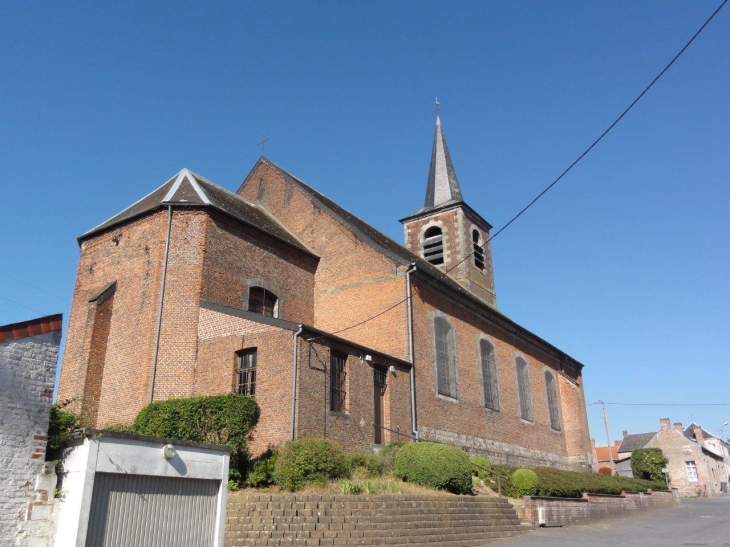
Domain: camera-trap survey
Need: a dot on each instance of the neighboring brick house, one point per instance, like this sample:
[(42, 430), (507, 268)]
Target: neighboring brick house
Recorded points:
[(193, 288), (28, 358), (695, 469), (607, 459)]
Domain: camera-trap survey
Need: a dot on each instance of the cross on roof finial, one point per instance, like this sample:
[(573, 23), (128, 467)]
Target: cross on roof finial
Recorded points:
[(262, 143), (438, 106)]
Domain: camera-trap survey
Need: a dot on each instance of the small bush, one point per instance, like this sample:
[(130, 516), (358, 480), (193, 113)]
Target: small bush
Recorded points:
[(306, 461), (524, 482), (434, 465), (388, 453), (375, 465), (351, 488), (605, 471), (262, 470), (478, 462), (647, 464), (356, 460)]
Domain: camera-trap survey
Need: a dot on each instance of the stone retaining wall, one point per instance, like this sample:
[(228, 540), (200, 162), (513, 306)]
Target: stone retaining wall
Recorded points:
[(564, 511)]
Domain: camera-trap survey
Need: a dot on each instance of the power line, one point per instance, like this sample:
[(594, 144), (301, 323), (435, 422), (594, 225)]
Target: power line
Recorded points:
[(554, 182), (595, 142), (21, 305), (33, 286)]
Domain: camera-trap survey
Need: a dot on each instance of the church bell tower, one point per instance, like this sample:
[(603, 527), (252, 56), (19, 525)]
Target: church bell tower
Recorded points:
[(446, 230)]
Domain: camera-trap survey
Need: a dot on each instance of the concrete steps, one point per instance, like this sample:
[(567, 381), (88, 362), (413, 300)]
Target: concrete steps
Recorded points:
[(415, 521)]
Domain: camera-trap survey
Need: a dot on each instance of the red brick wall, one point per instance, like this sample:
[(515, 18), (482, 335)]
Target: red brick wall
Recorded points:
[(99, 337), (566, 511), (235, 251), (221, 336), (353, 281), (466, 415), (135, 264)]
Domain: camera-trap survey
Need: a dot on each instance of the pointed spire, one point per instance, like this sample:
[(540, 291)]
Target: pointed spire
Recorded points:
[(442, 183)]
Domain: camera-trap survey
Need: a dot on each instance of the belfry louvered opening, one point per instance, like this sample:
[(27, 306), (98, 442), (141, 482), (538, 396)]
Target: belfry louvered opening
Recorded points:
[(433, 245), (478, 250)]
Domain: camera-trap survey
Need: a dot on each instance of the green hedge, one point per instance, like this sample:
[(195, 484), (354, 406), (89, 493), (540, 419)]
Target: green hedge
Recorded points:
[(434, 465), (309, 461), (572, 484), (221, 419), (261, 470)]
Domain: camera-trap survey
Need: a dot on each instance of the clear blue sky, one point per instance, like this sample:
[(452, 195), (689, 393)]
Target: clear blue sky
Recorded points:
[(624, 265)]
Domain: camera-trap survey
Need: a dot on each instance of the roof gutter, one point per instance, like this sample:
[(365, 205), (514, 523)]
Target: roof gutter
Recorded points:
[(156, 350), (409, 297), (294, 381)]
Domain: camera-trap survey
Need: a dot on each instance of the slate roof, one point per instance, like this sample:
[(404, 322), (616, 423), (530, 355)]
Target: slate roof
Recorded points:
[(689, 432), (404, 257), (190, 189), (638, 440), (442, 186)]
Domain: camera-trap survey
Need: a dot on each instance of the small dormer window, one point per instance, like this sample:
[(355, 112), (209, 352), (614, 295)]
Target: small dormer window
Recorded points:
[(478, 250), (433, 245), (262, 301)]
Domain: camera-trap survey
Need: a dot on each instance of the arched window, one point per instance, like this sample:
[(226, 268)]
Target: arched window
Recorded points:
[(523, 389), (445, 357), (433, 245), (552, 397), (489, 375), (478, 250), (262, 301)]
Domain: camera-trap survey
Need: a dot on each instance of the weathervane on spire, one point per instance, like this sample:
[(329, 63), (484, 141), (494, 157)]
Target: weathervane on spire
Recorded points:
[(438, 106)]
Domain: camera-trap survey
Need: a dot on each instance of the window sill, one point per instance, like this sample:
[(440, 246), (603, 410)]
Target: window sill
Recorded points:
[(340, 414), (447, 398)]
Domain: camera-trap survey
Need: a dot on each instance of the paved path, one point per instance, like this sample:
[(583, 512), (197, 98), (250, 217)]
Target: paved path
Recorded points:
[(701, 522)]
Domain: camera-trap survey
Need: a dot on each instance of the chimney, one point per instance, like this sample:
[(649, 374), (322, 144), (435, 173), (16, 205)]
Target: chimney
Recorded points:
[(678, 427), (664, 424), (617, 443), (624, 433), (699, 437)]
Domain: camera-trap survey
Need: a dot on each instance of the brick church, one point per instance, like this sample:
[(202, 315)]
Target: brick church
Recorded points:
[(338, 331)]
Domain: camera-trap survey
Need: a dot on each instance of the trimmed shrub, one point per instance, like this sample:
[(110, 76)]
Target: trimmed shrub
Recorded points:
[(572, 484), (434, 465), (524, 482), (477, 463), (647, 463), (221, 419), (309, 461), (389, 452), (605, 471), (262, 469)]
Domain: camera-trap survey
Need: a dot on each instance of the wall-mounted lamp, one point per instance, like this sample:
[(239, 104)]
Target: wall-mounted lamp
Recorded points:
[(168, 451), (369, 358)]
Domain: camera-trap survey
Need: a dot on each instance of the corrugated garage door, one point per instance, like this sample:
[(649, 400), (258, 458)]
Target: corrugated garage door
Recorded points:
[(144, 511)]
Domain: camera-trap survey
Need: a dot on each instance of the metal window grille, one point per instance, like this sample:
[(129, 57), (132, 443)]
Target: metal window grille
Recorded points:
[(246, 372), (478, 250), (262, 301), (552, 396), (691, 471), (489, 375), (338, 385), (523, 386), (433, 245), (445, 357)]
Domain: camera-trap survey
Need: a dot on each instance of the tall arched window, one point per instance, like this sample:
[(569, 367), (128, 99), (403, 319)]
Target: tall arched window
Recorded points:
[(433, 245), (445, 357), (262, 301), (552, 397), (489, 375), (478, 250), (523, 389)]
